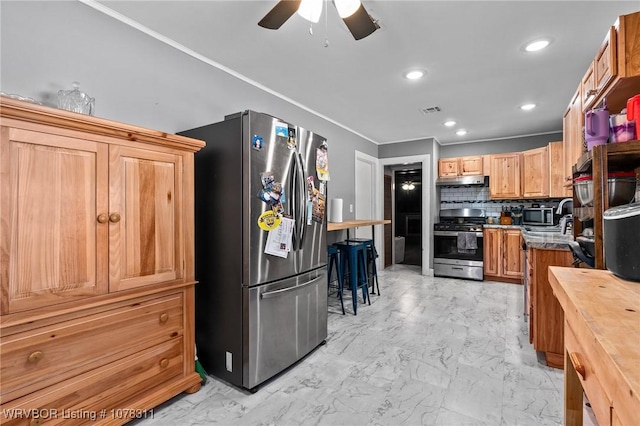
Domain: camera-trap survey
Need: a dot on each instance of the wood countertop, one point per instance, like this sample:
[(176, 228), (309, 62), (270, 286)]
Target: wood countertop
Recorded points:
[(348, 224), (604, 313)]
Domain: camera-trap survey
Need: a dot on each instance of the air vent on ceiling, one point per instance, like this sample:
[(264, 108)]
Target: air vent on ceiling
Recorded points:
[(430, 110)]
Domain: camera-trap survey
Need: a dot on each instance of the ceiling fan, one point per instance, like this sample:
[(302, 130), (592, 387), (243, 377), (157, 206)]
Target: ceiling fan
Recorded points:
[(352, 12)]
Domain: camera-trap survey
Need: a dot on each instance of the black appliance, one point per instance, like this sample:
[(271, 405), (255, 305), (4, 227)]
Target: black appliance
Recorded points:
[(621, 240)]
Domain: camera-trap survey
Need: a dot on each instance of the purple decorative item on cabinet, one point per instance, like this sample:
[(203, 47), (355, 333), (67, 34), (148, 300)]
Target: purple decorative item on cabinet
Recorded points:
[(596, 127)]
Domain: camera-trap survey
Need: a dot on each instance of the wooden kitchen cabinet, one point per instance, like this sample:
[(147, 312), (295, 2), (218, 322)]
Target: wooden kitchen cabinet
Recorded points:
[(588, 88), (535, 173), (97, 272), (503, 257), (513, 262), (557, 188), (471, 166), (505, 176), (572, 123), (460, 166), (448, 167), (546, 318)]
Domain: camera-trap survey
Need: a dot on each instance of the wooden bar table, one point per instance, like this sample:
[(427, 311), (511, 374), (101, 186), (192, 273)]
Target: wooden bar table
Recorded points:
[(602, 344), (348, 224)]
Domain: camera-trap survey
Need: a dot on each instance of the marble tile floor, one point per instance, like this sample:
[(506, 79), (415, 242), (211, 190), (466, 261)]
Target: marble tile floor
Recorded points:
[(428, 351)]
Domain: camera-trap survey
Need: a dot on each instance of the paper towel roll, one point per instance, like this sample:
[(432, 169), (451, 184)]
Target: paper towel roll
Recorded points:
[(335, 210)]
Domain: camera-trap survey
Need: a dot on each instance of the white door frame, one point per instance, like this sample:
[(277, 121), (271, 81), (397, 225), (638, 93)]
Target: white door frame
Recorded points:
[(426, 201), (378, 230)]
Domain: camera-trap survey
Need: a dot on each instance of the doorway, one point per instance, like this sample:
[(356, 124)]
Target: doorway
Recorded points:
[(426, 221), (408, 214)]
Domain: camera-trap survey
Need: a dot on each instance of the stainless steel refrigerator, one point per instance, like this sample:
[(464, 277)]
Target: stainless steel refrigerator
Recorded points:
[(261, 301)]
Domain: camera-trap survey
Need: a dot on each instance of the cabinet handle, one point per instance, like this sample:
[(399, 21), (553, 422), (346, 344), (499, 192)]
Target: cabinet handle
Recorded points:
[(114, 217), (103, 218), (164, 362), (592, 92), (576, 364), (164, 318), (35, 357)]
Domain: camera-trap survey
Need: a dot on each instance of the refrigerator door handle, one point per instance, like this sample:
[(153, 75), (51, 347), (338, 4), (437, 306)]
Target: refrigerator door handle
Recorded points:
[(268, 294), (302, 204), (293, 202)]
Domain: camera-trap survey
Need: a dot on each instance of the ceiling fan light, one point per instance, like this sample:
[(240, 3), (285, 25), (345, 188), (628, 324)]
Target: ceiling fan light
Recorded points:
[(346, 8), (310, 10)]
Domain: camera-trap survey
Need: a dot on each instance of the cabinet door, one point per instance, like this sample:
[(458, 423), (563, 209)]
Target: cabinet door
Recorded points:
[(572, 135), (513, 261), (53, 248), (448, 167), (492, 257), (504, 180), (556, 172), (145, 221), (588, 87), (471, 166), (535, 180), (606, 61)]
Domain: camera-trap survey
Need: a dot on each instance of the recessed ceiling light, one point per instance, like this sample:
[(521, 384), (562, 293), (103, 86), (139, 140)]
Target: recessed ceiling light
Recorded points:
[(461, 132), (527, 107), (414, 75), (450, 123), (534, 46)]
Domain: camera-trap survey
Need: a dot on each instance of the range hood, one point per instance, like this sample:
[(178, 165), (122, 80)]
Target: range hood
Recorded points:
[(463, 181)]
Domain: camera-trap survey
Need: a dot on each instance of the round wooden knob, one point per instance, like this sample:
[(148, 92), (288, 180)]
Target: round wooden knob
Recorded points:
[(103, 218), (114, 217), (164, 318), (164, 362), (35, 422), (35, 356)]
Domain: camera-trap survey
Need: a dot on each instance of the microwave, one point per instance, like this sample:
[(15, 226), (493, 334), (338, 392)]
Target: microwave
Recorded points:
[(538, 216)]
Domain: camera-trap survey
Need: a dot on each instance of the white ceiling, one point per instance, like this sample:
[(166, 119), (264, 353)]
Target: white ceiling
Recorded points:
[(477, 71)]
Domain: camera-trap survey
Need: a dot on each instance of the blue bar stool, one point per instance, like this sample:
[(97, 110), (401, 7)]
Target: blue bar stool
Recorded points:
[(372, 255), (335, 264), (353, 255)]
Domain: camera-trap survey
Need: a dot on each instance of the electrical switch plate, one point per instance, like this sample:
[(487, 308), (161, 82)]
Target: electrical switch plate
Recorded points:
[(350, 208), (229, 362)]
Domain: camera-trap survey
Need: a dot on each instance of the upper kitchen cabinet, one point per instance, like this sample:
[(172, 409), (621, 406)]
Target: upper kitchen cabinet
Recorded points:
[(505, 176), (448, 167), (535, 173), (572, 137), (615, 70), (557, 188), (461, 166)]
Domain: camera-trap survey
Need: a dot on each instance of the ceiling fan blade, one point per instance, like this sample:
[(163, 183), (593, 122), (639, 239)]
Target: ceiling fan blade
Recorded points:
[(360, 23), (279, 14)]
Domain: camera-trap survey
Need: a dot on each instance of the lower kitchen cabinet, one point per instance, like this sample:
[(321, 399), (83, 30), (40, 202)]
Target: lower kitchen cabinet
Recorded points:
[(546, 318), (503, 257), (97, 267)]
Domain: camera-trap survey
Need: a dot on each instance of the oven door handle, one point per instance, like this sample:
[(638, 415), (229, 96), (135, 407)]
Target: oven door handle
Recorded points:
[(452, 233)]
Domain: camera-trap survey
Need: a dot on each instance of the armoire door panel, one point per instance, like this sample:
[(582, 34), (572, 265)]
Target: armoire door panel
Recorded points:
[(55, 246), (145, 241)]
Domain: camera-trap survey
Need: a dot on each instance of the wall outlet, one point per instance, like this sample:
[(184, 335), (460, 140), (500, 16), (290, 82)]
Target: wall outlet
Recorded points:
[(229, 362), (350, 208)]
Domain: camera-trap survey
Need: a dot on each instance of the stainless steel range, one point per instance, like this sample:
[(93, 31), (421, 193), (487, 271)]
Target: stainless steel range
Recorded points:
[(458, 244)]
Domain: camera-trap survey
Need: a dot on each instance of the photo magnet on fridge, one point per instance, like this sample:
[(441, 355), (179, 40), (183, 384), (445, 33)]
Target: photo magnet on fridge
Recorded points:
[(322, 163), (282, 130), (257, 142), (292, 142)]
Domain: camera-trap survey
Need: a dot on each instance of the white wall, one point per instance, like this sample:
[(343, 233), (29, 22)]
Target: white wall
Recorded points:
[(138, 80)]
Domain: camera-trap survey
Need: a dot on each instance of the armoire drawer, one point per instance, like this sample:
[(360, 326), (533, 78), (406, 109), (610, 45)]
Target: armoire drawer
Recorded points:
[(38, 358), (100, 395)]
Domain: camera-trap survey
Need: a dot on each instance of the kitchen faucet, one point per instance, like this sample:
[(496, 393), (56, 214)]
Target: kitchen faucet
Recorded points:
[(562, 203)]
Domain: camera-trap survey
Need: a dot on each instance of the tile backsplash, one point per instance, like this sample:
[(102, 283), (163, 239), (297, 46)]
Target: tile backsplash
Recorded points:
[(477, 197)]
